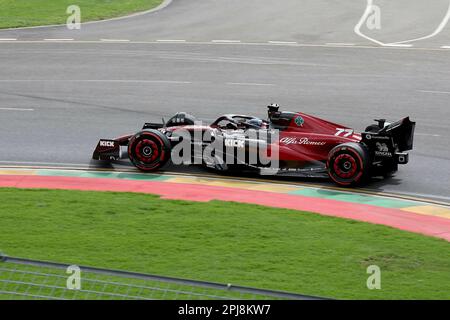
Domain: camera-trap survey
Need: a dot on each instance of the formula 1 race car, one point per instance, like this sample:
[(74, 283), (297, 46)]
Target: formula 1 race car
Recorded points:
[(287, 143)]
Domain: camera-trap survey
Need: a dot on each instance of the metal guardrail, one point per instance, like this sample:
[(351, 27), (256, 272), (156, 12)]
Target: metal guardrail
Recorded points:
[(32, 279)]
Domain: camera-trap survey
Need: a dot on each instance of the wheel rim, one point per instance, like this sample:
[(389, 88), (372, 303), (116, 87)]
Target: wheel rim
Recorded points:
[(146, 151), (345, 166)]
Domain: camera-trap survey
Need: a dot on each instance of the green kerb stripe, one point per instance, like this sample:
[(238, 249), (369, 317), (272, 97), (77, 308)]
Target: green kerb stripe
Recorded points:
[(112, 175), (355, 198), (309, 192)]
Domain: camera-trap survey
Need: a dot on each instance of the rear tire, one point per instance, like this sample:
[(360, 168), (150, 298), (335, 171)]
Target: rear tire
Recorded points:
[(348, 164), (149, 150), (389, 168)]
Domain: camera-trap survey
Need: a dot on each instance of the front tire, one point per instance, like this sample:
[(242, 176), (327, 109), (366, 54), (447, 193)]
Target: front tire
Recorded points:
[(348, 164), (149, 150)]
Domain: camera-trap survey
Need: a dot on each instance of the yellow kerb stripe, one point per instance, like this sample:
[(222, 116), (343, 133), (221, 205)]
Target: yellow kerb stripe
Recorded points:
[(18, 172), (430, 210), (234, 184)]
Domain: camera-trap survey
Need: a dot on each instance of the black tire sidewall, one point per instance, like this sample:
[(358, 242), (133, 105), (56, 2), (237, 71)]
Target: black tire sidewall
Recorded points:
[(163, 146), (359, 154)]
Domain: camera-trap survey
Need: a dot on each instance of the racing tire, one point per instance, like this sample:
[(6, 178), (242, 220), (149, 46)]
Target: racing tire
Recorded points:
[(348, 164), (389, 169), (149, 150)]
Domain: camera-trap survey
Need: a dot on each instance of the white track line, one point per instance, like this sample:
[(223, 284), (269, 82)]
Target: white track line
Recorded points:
[(115, 40), (368, 11), (249, 84), (170, 40), (437, 92), (226, 41), (98, 80), (290, 44), (398, 45), (438, 30), (282, 42), (16, 109), (427, 134), (357, 28), (8, 39), (68, 39), (340, 44)]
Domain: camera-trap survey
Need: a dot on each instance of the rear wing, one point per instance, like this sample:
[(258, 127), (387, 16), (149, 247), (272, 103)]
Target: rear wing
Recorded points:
[(402, 133), (391, 142)]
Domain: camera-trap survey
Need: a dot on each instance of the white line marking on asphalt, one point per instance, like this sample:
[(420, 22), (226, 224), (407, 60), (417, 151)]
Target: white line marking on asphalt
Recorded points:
[(368, 12), (399, 45), (445, 47), (249, 84), (114, 40), (427, 134), (340, 44), (226, 41), (282, 42), (291, 44), (171, 40), (431, 91), (438, 30), (16, 109), (97, 80), (8, 39), (67, 39), (357, 28)]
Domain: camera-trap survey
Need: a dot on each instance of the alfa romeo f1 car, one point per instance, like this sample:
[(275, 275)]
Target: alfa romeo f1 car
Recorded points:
[(299, 144)]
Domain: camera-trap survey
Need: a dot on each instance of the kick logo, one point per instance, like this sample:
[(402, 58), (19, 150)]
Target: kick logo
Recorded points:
[(234, 143), (107, 144)]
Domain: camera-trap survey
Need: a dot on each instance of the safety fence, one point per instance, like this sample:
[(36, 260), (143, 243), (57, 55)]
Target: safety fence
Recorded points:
[(31, 279)]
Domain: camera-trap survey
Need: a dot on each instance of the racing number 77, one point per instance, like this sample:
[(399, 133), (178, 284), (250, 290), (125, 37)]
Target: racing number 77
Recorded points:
[(344, 132)]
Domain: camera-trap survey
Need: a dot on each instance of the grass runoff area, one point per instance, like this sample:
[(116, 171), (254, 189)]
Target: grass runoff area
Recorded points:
[(27, 13), (223, 242)]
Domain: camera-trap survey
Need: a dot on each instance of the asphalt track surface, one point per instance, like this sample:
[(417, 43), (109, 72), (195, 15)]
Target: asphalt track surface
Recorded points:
[(61, 90)]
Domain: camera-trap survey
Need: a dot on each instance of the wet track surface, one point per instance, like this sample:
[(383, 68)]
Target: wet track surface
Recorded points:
[(57, 99)]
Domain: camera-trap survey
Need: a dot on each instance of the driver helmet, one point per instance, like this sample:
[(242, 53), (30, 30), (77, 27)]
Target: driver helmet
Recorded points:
[(255, 123), (273, 110)]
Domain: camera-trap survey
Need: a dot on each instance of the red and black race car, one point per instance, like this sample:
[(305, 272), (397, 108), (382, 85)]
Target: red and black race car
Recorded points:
[(288, 143)]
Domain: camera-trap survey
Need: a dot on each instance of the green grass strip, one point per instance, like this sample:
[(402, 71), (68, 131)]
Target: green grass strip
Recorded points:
[(26, 13), (223, 242)]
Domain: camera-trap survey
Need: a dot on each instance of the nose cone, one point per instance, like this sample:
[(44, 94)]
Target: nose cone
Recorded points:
[(404, 21)]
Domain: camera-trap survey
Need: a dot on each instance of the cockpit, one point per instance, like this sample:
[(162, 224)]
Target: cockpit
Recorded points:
[(281, 120), (239, 122)]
